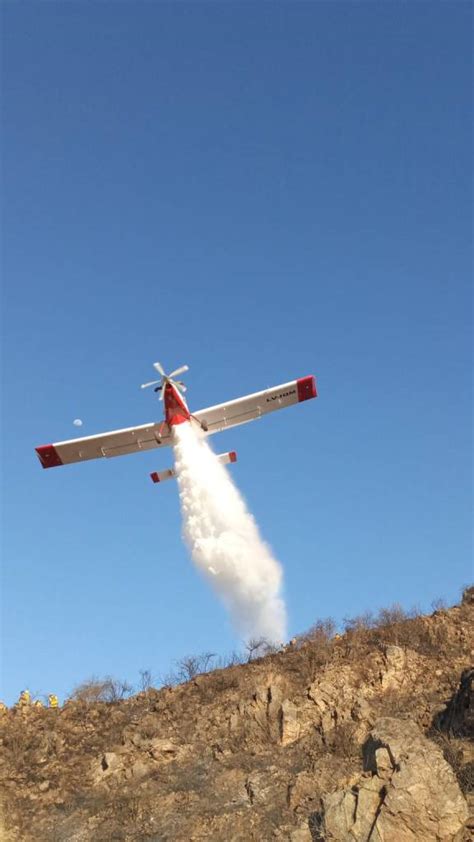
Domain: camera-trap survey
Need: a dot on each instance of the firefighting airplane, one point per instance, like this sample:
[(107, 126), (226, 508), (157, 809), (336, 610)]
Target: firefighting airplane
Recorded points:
[(148, 436)]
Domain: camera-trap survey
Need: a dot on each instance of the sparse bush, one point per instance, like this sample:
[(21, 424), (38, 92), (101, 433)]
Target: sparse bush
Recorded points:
[(146, 680), (311, 649), (190, 666), (218, 681), (342, 742), (439, 604), (206, 660), (453, 753), (468, 595), (233, 659), (390, 616), (310, 661), (466, 777), (17, 742), (101, 690), (396, 703), (320, 635), (258, 647), (358, 624), (396, 626), (316, 826)]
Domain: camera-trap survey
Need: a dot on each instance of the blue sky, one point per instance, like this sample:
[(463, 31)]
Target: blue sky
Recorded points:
[(262, 191)]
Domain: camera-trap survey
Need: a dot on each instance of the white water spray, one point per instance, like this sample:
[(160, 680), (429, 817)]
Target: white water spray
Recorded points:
[(224, 540)]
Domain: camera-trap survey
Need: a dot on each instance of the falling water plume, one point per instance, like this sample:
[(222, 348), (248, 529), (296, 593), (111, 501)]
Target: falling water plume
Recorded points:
[(225, 542)]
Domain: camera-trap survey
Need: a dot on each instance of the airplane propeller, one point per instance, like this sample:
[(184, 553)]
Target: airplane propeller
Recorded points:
[(167, 378)]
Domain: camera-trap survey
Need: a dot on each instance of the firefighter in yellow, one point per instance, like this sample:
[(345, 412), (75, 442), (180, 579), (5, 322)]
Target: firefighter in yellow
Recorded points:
[(24, 700), (52, 700)]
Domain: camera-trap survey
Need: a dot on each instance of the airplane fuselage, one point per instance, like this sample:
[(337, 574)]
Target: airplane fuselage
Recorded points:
[(176, 409)]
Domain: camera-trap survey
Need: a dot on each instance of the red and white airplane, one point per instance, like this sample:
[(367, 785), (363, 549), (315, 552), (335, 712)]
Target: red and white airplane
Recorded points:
[(158, 434)]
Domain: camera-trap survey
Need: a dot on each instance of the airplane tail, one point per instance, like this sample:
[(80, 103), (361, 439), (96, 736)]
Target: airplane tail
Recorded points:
[(161, 476)]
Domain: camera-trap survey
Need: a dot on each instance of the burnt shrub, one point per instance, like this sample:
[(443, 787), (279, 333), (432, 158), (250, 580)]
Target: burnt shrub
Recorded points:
[(453, 753), (394, 625), (342, 742), (106, 689)]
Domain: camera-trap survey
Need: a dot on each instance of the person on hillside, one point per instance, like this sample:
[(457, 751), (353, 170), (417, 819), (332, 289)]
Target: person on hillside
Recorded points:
[(53, 700), (24, 700)]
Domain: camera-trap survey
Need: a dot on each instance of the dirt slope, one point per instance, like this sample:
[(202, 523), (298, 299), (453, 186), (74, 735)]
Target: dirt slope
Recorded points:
[(363, 737)]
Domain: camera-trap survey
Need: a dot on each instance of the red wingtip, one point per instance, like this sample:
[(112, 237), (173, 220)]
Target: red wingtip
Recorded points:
[(155, 476), (48, 456), (306, 388), (233, 456)]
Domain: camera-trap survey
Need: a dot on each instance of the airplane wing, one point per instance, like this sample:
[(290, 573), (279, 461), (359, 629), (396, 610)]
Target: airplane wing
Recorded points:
[(148, 436), (239, 411), (114, 443)]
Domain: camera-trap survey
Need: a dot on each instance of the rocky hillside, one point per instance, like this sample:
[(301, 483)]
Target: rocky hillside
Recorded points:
[(364, 736)]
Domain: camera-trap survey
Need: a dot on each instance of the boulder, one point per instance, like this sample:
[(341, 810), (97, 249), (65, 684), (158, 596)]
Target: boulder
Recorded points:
[(289, 725), (138, 770), (393, 673), (163, 749), (408, 792), (301, 834), (339, 699), (259, 786), (302, 792), (107, 765)]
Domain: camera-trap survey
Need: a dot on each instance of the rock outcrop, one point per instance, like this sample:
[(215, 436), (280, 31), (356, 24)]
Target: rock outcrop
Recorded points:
[(364, 736), (458, 717), (406, 792)]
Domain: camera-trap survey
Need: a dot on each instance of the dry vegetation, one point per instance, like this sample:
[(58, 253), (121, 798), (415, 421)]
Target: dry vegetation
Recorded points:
[(215, 738), (392, 625)]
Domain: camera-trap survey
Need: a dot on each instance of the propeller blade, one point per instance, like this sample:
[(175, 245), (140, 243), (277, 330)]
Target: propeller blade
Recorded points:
[(162, 394), (180, 370), (151, 383), (159, 368)]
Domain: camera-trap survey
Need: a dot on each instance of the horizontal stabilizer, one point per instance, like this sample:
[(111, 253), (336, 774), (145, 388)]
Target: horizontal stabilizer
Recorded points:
[(161, 476)]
